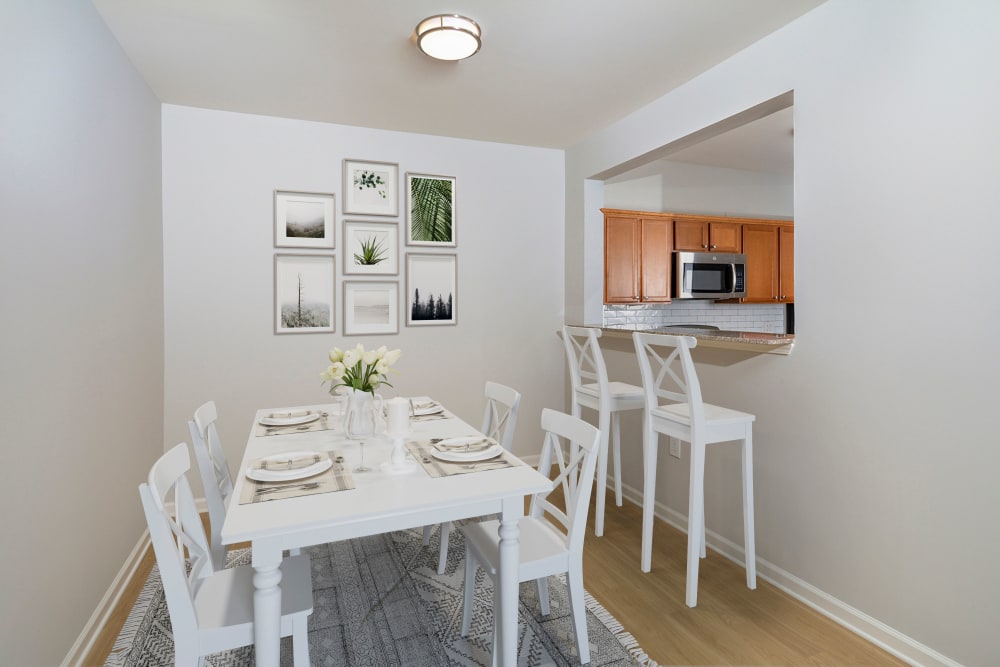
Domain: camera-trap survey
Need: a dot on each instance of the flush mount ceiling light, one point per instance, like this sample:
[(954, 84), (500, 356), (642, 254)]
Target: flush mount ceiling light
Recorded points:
[(448, 36)]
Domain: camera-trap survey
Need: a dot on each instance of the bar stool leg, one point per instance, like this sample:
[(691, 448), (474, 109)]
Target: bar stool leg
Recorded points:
[(649, 445), (616, 427), (749, 549), (602, 473), (696, 509)]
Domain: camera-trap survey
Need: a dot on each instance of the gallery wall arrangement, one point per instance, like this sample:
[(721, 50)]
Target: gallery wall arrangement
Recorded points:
[(305, 282)]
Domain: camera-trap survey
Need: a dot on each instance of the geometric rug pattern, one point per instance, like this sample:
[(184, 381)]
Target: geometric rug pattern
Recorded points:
[(378, 601)]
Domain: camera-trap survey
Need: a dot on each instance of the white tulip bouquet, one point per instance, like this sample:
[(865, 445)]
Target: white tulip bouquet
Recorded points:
[(359, 369)]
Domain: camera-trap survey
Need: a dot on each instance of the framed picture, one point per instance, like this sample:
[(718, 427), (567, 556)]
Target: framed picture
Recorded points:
[(371, 248), (303, 294), (303, 220), (371, 308), (430, 210), (371, 188), (431, 289)]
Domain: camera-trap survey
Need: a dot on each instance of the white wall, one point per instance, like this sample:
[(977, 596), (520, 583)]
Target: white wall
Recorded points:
[(875, 446), (81, 292), (219, 173)]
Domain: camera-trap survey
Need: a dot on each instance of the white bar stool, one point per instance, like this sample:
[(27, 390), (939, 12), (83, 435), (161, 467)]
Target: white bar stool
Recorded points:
[(609, 399), (686, 417)]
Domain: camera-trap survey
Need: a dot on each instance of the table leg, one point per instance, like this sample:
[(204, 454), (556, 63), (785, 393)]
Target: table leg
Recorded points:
[(267, 605), (513, 510)]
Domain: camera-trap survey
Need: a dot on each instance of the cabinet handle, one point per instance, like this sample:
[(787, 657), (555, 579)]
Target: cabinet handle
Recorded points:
[(713, 247), (705, 246)]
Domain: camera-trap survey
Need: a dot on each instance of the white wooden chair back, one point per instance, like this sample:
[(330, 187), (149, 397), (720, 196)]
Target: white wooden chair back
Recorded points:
[(574, 475), (215, 475), (500, 415), (668, 374), (586, 363), (173, 534)]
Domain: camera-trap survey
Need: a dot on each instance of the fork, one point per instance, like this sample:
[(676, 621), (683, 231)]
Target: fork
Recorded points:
[(292, 487)]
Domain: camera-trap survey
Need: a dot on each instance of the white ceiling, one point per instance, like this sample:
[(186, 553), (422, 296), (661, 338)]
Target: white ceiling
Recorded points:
[(549, 73)]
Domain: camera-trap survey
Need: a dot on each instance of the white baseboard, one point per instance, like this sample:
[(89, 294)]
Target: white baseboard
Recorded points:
[(85, 642), (903, 647)]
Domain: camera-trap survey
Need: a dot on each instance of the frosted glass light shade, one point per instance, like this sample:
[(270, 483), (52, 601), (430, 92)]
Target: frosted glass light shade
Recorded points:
[(449, 37)]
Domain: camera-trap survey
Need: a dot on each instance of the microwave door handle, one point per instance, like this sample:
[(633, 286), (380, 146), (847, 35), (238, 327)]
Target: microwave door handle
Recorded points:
[(732, 270)]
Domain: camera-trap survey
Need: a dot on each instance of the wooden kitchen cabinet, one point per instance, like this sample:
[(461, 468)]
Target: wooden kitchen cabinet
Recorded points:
[(637, 257), (706, 235), (770, 252)]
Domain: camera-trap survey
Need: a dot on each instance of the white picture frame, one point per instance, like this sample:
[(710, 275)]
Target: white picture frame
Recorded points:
[(304, 220), (371, 188), (430, 210), (371, 307), (371, 248), (304, 294), (431, 289)]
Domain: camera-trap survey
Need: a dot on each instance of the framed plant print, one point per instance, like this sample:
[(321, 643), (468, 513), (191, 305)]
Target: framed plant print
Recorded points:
[(303, 219), (430, 210), (371, 248), (371, 308), (431, 289), (371, 188), (303, 294)]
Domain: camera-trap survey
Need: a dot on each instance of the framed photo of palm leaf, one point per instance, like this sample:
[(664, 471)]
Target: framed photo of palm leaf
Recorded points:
[(431, 289), (371, 248), (430, 210), (371, 188)]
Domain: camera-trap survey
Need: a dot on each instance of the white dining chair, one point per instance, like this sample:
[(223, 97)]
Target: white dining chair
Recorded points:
[(499, 422), (674, 407), (211, 609), (590, 388), (548, 546)]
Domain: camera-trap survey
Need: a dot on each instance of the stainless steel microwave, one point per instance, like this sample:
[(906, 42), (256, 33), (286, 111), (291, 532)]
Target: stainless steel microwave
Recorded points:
[(709, 275)]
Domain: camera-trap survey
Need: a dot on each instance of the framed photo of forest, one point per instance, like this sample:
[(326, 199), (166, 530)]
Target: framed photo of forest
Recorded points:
[(303, 220), (430, 210), (371, 307), (371, 248), (431, 289), (371, 188), (303, 294)]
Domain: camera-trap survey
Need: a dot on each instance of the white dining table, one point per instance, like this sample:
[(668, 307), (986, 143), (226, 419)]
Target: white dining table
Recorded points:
[(380, 502)]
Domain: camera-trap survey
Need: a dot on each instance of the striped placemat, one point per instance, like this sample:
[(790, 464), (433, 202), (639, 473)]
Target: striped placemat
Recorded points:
[(421, 450)]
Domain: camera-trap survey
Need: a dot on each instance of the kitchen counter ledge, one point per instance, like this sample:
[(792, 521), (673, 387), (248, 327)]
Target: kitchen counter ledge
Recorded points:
[(746, 341)]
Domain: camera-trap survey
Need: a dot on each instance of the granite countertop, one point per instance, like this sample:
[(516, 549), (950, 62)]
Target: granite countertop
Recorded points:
[(750, 341)]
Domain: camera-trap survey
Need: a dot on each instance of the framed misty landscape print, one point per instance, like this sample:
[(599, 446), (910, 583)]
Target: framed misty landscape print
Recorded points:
[(303, 220), (371, 188), (371, 248), (371, 308), (430, 210), (303, 294), (431, 289)]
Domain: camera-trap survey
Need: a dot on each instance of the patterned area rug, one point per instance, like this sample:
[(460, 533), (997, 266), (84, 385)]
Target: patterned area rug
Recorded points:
[(379, 601)]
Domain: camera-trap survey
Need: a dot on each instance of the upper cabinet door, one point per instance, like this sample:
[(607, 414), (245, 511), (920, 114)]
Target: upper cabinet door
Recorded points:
[(760, 244), (621, 259), (655, 245), (724, 237), (786, 264), (690, 235), (706, 235)]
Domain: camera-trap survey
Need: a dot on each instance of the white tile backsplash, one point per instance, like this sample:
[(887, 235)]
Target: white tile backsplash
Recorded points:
[(760, 317)]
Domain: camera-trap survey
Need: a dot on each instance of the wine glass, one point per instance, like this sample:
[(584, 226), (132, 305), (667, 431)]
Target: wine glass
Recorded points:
[(362, 467)]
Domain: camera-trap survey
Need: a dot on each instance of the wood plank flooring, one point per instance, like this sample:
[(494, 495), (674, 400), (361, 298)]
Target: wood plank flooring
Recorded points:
[(731, 625)]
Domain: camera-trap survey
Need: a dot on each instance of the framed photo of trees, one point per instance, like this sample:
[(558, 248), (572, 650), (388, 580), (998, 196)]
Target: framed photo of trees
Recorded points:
[(371, 188), (303, 294), (431, 289), (303, 220), (430, 210), (371, 248)]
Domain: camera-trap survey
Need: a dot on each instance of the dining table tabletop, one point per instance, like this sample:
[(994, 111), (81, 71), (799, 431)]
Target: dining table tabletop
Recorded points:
[(298, 485)]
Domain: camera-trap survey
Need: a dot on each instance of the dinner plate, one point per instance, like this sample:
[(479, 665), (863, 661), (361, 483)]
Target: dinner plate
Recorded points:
[(465, 442), (459, 456), (289, 418), (426, 409), (289, 466)]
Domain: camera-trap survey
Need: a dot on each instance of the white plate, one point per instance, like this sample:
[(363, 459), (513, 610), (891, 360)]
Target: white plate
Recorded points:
[(289, 418), (289, 466), (432, 409), (462, 457)]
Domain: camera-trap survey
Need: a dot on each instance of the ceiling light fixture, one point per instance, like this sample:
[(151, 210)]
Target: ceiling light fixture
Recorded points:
[(449, 37)]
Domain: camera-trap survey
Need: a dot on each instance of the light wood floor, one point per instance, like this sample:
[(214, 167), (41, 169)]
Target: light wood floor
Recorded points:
[(731, 625)]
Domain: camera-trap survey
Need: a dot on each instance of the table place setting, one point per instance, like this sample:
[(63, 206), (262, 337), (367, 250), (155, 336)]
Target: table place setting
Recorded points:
[(293, 474), (286, 422), (441, 457), (424, 408)]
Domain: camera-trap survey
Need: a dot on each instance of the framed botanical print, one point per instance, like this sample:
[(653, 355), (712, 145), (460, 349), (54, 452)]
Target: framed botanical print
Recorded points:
[(371, 308), (371, 188), (431, 289), (371, 248), (303, 294), (430, 210), (303, 220)]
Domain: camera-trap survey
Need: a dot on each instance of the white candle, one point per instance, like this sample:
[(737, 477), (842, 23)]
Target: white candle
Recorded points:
[(397, 412)]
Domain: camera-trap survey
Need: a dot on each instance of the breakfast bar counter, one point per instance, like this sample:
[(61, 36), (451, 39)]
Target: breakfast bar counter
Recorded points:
[(747, 341)]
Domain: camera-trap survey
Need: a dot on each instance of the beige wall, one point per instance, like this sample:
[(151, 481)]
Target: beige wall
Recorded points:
[(875, 454), (81, 380)]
